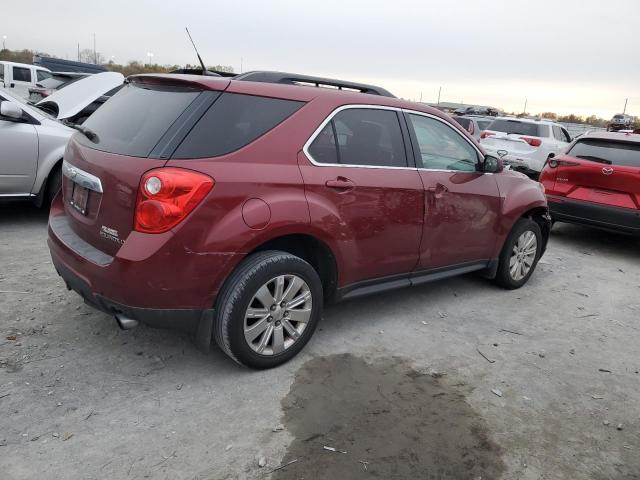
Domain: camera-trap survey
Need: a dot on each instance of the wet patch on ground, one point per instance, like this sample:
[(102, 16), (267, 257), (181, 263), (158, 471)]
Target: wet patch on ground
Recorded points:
[(392, 421)]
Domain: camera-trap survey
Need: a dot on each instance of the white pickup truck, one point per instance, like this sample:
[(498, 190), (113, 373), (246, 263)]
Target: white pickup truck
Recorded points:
[(19, 77)]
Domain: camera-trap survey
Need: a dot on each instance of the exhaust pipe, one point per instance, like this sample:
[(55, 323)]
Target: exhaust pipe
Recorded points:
[(125, 323)]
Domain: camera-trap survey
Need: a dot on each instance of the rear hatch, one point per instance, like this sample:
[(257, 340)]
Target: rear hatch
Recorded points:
[(516, 137), (136, 130), (601, 171)]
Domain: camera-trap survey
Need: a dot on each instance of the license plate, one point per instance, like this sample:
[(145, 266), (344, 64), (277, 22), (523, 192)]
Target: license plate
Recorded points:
[(79, 198)]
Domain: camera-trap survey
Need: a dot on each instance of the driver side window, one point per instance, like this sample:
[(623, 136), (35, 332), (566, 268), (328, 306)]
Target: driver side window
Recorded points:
[(441, 147)]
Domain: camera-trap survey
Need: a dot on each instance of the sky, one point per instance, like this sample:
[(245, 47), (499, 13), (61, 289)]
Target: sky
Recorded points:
[(564, 56)]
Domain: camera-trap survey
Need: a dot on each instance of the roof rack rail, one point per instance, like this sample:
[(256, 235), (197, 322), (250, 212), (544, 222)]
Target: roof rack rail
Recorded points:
[(307, 80)]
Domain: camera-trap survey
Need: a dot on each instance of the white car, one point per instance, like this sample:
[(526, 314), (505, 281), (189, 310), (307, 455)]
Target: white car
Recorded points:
[(32, 144), (524, 144), (19, 77)]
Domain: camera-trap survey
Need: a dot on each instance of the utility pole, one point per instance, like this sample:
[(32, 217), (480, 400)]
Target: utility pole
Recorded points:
[(525, 106), (95, 54), (625, 106), (240, 64), (420, 96), (439, 91), (78, 51)]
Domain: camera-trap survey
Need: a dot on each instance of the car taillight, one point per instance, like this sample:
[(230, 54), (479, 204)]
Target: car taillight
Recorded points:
[(534, 142), (166, 196), (486, 134)]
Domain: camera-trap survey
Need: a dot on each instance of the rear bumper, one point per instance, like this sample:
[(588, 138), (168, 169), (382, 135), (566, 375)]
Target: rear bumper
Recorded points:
[(163, 287), (592, 214)]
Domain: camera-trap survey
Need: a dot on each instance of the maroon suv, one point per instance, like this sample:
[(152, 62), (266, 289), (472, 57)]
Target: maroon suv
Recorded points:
[(234, 208)]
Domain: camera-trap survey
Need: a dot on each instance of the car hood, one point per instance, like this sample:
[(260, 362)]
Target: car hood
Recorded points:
[(73, 99)]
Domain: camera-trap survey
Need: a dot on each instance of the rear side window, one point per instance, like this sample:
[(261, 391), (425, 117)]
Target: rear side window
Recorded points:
[(361, 136), (233, 121), (134, 120), (519, 128), (21, 74), (608, 152)]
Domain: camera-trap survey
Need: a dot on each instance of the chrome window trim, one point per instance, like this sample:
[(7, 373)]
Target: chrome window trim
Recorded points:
[(324, 123), (82, 178), (423, 114)]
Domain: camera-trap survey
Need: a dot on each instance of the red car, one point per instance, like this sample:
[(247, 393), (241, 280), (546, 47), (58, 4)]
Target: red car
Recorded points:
[(596, 182), (234, 208)]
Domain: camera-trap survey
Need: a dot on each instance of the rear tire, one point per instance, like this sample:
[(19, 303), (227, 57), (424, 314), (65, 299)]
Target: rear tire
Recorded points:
[(520, 254), (268, 309)]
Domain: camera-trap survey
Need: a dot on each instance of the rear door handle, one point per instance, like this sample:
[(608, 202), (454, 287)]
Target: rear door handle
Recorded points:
[(438, 190), (341, 183)]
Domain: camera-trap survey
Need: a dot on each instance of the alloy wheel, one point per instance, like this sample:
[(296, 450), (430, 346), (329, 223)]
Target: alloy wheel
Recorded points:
[(523, 255), (277, 314)]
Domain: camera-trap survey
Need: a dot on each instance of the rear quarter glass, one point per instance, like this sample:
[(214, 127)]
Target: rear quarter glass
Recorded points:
[(233, 121)]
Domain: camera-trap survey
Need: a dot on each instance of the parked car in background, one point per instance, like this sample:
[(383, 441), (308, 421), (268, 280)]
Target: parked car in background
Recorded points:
[(620, 121), (78, 101), (524, 144), (32, 144), (596, 182), (57, 81), (487, 111), (274, 197), (475, 125), (19, 77)]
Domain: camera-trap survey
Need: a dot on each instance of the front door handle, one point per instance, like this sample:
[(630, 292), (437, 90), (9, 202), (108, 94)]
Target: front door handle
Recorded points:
[(438, 190), (341, 183)]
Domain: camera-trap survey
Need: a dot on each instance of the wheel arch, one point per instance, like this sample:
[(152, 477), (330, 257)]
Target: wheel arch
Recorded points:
[(312, 250)]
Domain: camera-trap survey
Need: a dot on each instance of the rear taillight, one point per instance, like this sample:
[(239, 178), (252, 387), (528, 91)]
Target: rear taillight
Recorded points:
[(486, 134), (534, 142), (166, 196)]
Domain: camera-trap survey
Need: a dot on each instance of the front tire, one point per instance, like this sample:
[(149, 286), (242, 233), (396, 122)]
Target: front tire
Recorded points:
[(268, 309), (520, 254)]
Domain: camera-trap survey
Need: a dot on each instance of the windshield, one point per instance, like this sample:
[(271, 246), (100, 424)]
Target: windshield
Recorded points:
[(606, 151), (518, 127)]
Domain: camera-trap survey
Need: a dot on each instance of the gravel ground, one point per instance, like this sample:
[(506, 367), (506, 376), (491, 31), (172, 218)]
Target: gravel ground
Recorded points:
[(451, 380)]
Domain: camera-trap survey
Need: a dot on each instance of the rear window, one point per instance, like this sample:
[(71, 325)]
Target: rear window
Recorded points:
[(134, 120), (233, 121), (464, 122), (519, 128), (483, 124), (608, 152)]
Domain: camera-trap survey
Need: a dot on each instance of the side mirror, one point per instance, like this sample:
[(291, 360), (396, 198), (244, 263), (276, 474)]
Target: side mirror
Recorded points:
[(10, 110), (492, 164)]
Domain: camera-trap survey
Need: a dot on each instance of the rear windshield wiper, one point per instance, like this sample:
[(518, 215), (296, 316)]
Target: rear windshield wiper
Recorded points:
[(90, 134), (595, 159)]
